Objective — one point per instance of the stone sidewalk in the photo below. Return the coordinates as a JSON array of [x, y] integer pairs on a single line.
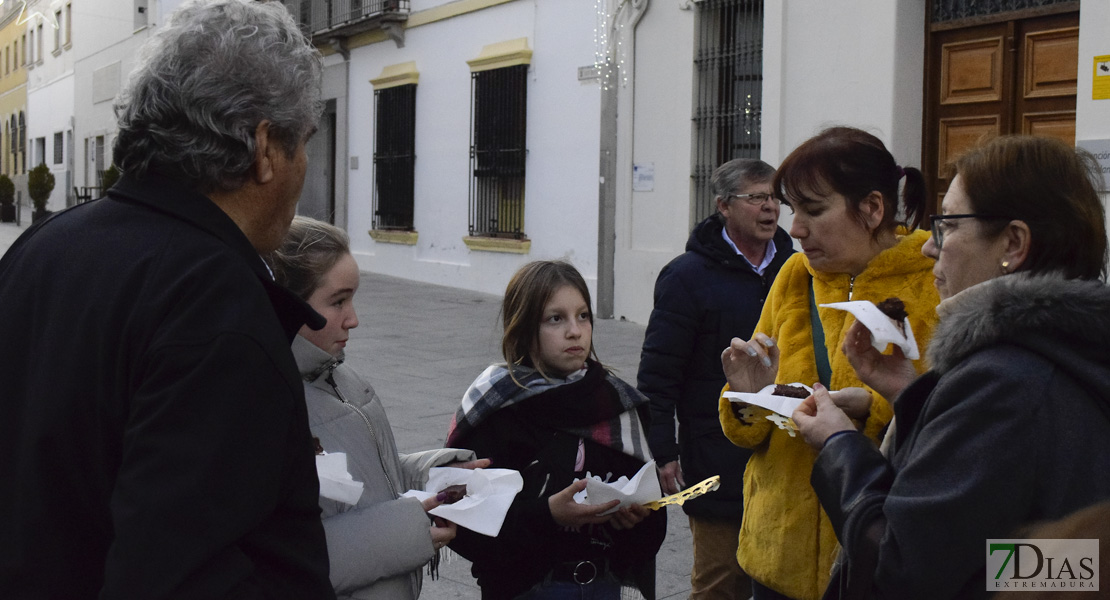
[[10, 231], [421, 345]]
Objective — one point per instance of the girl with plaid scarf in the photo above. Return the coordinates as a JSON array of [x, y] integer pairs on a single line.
[[555, 414]]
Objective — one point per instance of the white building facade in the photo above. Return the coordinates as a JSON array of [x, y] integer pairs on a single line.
[[111, 32], [855, 63], [464, 138], [50, 94], [441, 40], [615, 165]]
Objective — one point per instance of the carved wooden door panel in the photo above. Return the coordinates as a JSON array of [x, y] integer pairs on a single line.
[[1048, 59], [1012, 76]]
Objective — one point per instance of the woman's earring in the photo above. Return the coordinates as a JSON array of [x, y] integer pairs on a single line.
[[1005, 266]]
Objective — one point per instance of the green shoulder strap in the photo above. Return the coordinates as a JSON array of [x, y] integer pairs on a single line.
[[820, 352]]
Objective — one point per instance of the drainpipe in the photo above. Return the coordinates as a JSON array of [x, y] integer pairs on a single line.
[[625, 19], [339, 210]]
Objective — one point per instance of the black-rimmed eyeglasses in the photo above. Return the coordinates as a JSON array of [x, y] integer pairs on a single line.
[[940, 225], [753, 199]]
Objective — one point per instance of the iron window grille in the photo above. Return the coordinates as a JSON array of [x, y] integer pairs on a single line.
[[98, 160], [394, 156], [317, 16], [22, 142], [498, 152], [951, 10], [305, 16], [728, 115]]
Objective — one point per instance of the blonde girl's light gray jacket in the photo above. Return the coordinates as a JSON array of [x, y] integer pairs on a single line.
[[378, 546]]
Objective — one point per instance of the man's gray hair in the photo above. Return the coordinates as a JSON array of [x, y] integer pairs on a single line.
[[206, 81], [728, 177]]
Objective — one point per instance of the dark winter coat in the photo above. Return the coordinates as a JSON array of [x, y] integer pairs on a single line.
[[155, 437], [1011, 426], [532, 436], [703, 299]]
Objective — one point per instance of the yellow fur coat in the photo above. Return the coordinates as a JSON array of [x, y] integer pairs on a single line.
[[786, 540]]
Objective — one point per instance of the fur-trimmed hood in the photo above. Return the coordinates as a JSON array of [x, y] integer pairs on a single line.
[[1067, 321]]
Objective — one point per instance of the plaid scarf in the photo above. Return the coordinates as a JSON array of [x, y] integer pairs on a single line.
[[591, 404]]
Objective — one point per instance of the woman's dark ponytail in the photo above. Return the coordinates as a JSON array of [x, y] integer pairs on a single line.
[[914, 195]]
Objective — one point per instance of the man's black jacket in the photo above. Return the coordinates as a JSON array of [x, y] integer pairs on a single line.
[[154, 435], [703, 299]]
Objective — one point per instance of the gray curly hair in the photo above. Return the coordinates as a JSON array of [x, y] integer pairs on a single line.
[[205, 82]]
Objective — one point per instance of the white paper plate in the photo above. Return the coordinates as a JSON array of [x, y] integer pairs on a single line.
[[883, 329], [765, 399]]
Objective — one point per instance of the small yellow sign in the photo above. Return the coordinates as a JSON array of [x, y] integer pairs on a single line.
[[1100, 86]]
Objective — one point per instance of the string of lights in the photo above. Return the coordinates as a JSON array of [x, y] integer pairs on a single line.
[[610, 65], [24, 17]]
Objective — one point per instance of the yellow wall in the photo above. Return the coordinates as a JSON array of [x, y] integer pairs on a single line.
[[13, 87]]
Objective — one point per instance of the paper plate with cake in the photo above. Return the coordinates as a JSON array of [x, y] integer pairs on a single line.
[[477, 499], [781, 399], [887, 322]]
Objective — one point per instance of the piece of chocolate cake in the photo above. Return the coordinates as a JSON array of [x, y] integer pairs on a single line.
[[790, 391], [453, 493], [896, 310]]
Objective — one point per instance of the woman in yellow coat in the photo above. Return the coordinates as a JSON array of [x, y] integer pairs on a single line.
[[842, 186]]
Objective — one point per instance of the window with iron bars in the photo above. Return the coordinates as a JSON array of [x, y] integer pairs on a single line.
[[728, 115], [316, 16], [394, 156], [497, 151]]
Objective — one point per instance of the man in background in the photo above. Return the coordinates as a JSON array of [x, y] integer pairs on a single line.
[[155, 436], [703, 298]]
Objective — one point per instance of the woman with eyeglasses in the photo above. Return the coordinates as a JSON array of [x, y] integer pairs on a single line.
[[843, 188], [1012, 423]]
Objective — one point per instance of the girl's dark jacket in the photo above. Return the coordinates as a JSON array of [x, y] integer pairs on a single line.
[[703, 299], [529, 436], [1010, 427]]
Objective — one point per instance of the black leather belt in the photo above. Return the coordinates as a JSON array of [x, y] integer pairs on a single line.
[[582, 572]]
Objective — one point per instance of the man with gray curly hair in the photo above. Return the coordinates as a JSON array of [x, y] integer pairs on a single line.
[[155, 436]]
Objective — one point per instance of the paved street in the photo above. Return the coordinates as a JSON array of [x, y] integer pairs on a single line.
[[9, 231], [421, 345]]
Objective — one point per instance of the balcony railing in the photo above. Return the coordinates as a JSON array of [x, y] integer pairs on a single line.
[[341, 18]]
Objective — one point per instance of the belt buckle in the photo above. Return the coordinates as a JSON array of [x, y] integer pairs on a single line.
[[578, 578]]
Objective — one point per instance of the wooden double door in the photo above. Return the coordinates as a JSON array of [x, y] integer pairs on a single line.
[[1015, 75]]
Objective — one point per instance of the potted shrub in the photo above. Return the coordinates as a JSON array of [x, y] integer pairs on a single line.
[[40, 182], [7, 199], [108, 179]]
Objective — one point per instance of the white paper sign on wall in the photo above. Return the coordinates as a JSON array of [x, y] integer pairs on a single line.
[[643, 177], [1101, 151]]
